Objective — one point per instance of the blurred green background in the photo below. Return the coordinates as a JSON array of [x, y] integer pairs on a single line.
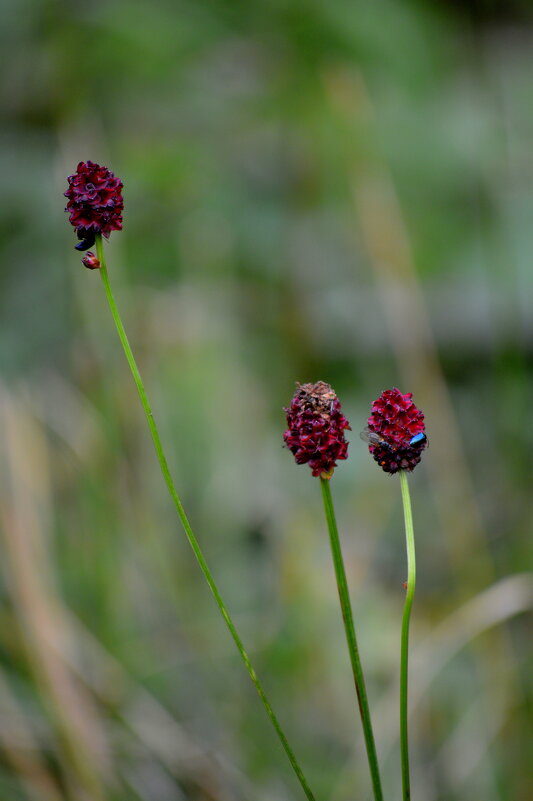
[[313, 190]]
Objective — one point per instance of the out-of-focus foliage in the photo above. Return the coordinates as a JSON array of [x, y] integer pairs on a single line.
[[313, 190]]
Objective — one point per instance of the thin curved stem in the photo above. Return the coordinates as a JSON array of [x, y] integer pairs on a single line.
[[404, 656], [186, 525], [344, 597]]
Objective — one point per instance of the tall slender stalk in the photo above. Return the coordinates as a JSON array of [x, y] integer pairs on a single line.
[[404, 656], [185, 522], [344, 597]]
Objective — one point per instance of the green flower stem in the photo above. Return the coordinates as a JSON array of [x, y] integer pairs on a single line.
[[185, 522], [347, 617], [404, 657]]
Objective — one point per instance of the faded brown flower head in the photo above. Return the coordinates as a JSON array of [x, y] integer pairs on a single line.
[[315, 435]]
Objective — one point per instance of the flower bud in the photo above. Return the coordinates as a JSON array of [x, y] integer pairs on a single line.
[[90, 261]]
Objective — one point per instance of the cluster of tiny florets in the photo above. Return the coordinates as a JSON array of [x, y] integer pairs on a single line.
[[396, 420], [95, 202], [315, 435]]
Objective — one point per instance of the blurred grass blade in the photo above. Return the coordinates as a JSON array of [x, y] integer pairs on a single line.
[[80, 739]]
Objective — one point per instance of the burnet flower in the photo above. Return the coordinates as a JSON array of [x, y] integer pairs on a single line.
[[396, 438], [95, 202], [315, 436], [316, 427], [95, 207], [396, 431]]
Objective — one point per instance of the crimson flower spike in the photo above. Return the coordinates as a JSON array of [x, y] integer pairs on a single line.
[[396, 433], [396, 436], [95, 203], [315, 436], [95, 209]]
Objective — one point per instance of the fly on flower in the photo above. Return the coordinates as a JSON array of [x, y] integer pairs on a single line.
[[373, 438], [419, 440]]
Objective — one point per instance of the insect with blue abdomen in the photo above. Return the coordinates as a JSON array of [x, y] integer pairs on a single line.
[[419, 440]]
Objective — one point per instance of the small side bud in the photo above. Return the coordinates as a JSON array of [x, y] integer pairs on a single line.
[[90, 261]]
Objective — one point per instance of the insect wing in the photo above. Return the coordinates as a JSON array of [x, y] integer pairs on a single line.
[[371, 437]]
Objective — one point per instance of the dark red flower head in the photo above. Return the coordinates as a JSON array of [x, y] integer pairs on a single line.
[[316, 428], [95, 202], [396, 431]]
